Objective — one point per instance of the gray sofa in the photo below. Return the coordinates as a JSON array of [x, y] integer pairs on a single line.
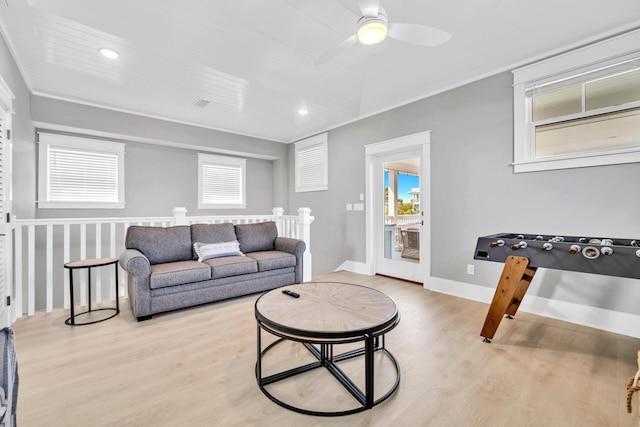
[[182, 266]]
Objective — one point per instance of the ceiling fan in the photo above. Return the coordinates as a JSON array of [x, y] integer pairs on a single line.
[[373, 27]]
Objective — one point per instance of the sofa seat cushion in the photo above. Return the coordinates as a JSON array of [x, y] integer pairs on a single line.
[[177, 273], [273, 260], [231, 266]]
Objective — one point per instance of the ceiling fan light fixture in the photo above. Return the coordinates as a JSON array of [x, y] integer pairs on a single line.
[[372, 30]]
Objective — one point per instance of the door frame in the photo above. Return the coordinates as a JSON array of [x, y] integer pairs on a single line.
[[416, 141], [7, 311]]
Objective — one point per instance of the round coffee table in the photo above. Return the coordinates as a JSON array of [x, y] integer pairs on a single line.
[[324, 314]]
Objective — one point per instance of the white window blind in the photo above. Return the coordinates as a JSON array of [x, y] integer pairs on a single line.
[[80, 172], [311, 164], [221, 182], [76, 176]]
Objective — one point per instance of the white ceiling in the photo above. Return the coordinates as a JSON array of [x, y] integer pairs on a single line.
[[254, 59]]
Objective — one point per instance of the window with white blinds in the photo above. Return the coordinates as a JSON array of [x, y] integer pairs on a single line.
[[579, 109], [80, 173], [221, 182], [311, 164]]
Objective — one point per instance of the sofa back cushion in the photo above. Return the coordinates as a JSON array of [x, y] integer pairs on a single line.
[[256, 237], [213, 233], [160, 244]]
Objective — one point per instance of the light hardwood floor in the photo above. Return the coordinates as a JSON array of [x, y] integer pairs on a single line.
[[195, 367]]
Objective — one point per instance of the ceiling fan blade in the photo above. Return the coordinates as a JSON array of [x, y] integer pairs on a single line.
[[336, 50], [418, 34], [369, 8]]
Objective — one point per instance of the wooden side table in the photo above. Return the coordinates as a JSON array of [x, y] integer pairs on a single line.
[[88, 264]]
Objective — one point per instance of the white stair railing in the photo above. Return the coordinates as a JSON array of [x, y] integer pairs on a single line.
[[41, 247]]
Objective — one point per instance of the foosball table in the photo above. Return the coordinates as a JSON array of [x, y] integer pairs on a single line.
[[523, 254]]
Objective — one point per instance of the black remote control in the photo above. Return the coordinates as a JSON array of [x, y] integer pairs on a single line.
[[291, 294]]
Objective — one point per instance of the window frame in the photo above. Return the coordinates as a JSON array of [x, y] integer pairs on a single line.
[[584, 60], [46, 140], [226, 161], [304, 145]]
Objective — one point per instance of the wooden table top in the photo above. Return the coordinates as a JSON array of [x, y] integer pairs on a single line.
[[327, 310], [86, 263]]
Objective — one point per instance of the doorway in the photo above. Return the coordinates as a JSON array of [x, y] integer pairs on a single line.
[[398, 208]]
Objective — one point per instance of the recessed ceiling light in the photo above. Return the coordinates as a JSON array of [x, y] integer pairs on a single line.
[[108, 53], [303, 111]]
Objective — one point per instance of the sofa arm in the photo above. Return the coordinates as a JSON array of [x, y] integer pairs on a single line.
[[139, 268], [295, 247], [136, 264]]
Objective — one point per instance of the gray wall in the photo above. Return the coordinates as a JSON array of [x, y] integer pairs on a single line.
[[157, 177], [474, 192]]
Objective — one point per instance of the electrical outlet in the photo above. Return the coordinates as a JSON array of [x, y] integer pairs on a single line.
[[471, 269]]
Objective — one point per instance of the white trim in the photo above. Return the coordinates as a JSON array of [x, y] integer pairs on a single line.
[[355, 267], [421, 140], [126, 138], [6, 96], [618, 46], [7, 313], [577, 162]]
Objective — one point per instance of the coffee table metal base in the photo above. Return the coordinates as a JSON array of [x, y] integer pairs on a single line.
[[323, 352]]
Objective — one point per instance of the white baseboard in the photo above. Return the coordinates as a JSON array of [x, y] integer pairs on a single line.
[[355, 267], [606, 320]]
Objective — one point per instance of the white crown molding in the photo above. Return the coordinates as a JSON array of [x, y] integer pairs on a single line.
[[43, 126]]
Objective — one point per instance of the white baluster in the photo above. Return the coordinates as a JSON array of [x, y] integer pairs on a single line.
[[17, 268], [112, 254], [31, 270], [49, 257], [304, 234], [98, 271], [66, 259], [83, 255]]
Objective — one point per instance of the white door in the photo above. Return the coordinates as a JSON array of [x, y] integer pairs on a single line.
[[5, 203], [398, 208]]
